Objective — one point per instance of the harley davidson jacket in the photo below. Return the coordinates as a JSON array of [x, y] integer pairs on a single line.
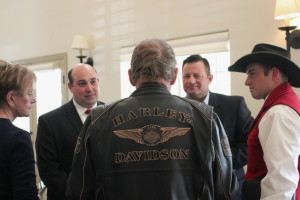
[[152, 146]]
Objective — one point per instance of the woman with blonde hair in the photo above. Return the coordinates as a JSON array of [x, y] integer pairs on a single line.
[[17, 165]]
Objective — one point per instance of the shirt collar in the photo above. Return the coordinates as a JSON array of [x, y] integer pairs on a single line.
[[81, 110], [206, 100]]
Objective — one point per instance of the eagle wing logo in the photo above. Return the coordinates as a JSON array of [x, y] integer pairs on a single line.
[[151, 135], [169, 132], [133, 134]]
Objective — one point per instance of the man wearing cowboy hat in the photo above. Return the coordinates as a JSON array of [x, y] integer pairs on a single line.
[[274, 137]]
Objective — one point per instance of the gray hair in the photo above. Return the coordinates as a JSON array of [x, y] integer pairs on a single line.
[[153, 59]]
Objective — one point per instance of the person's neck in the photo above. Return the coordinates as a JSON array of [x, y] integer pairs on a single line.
[[86, 106], [197, 98], [276, 84], [6, 115], [161, 81]]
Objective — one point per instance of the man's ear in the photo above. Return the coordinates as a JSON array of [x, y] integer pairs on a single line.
[[210, 78], [275, 73], [130, 78], [174, 77], [70, 86]]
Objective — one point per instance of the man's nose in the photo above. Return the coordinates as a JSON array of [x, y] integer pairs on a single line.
[[192, 79], [247, 81], [89, 87]]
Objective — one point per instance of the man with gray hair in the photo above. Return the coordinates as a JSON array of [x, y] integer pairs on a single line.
[[152, 145]]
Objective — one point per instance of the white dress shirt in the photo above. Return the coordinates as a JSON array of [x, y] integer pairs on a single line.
[[206, 98], [81, 110], [279, 135]]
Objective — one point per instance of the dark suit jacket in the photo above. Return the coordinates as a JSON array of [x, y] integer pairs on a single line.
[[55, 143], [236, 119]]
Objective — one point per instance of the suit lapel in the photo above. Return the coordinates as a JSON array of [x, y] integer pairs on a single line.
[[100, 103], [72, 116], [213, 100]]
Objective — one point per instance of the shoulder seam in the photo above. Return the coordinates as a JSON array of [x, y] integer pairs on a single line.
[[207, 113]]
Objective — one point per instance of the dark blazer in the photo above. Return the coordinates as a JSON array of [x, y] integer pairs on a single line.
[[236, 119], [17, 165], [55, 143]]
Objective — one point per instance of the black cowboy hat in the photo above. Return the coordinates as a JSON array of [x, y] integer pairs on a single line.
[[273, 56]]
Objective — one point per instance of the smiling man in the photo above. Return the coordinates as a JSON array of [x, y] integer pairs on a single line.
[[274, 137], [232, 110], [58, 130]]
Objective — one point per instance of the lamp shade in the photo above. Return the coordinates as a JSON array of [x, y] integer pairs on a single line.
[[295, 22], [287, 9], [79, 42]]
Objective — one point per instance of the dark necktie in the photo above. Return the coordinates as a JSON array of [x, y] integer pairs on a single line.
[[88, 111]]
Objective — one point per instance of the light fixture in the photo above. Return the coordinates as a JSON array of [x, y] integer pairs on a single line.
[[80, 43], [288, 9]]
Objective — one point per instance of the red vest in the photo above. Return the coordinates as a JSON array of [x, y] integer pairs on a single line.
[[256, 168]]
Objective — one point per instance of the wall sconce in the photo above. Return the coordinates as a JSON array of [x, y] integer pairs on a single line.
[[295, 34], [288, 9], [80, 43]]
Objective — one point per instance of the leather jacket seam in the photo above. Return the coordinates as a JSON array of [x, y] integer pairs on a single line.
[[206, 114], [221, 175]]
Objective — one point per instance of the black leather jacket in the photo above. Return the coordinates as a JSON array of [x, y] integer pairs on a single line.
[[152, 146]]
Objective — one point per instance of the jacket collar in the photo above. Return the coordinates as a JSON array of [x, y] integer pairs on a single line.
[[150, 88]]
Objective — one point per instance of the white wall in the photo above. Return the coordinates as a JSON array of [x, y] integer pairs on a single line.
[[35, 28]]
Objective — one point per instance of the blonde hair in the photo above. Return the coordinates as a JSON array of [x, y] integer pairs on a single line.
[[14, 77]]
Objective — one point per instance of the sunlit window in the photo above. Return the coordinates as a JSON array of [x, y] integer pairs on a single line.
[[44, 90], [47, 91]]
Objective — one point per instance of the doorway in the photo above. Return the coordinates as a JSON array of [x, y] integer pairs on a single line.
[[51, 92]]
